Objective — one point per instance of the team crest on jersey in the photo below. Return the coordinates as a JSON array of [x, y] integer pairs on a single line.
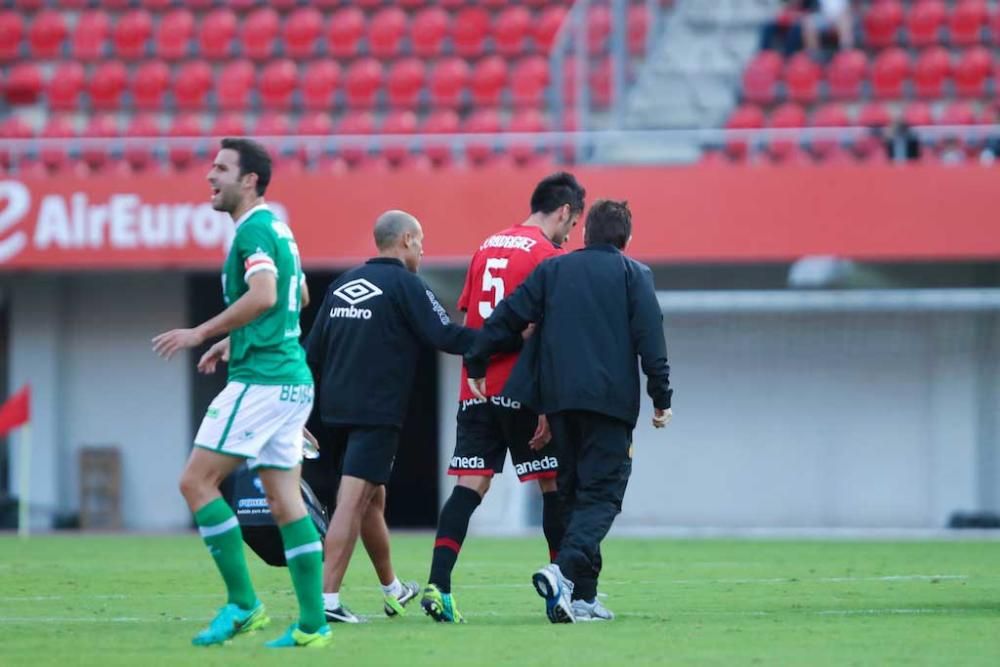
[[357, 291]]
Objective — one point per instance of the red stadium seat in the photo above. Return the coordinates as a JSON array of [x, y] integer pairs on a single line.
[[65, 85], [924, 22], [140, 155], [131, 34], [319, 81], [259, 33], [966, 23], [599, 80], [452, 4], [469, 30], [637, 29], [233, 86], [398, 122], [510, 28], [283, 5], [802, 78], [831, 115], [370, 4], [315, 124], [546, 26], [483, 121], [47, 34], [846, 73], [301, 32], [874, 115], [24, 83], [191, 85], [427, 31], [345, 30], [443, 121], [448, 81], [529, 80], [11, 32], [278, 81], [929, 74], [489, 78], [598, 29], [150, 81], [412, 4], [786, 116], [747, 117], [28, 4], [157, 5], [386, 31], [199, 5], [761, 77], [958, 113], [215, 39], [918, 113], [184, 125], [273, 124], [106, 84], [404, 83], [836, 156], [889, 71], [90, 35], [972, 71], [56, 156], [793, 156], [100, 126], [228, 125], [173, 34], [355, 123], [362, 83], [527, 121], [14, 127], [881, 23]]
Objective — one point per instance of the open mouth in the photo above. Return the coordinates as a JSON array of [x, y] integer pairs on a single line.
[[215, 192]]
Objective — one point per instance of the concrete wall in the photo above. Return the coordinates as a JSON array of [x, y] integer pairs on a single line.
[[810, 420], [83, 343]]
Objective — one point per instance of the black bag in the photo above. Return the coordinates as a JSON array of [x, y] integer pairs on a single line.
[[260, 532]]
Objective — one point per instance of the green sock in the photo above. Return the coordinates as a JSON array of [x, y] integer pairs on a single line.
[[221, 531], [304, 554]]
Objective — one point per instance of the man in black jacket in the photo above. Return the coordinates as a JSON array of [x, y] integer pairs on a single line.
[[363, 352], [596, 312]]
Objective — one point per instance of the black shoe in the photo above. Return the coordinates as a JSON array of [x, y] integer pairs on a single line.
[[341, 615]]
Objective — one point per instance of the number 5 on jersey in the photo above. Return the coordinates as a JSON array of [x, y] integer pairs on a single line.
[[492, 283]]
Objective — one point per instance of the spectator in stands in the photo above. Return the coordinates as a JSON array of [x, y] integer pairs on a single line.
[[828, 15], [901, 143], [784, 32]]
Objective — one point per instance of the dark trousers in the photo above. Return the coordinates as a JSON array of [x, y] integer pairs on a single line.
[[594, 467]]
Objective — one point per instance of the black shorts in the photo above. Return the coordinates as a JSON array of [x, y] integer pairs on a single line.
[[487, 430], [366, 452]]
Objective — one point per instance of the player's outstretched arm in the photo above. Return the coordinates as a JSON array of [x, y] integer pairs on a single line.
[[261, 296]]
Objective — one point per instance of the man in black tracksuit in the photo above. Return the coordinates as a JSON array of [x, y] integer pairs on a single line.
[[596, 311], [363, 352]]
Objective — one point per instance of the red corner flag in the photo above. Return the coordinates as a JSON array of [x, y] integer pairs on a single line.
[[16, 411]]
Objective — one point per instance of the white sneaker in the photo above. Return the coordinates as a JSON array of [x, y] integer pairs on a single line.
[[591, 611], [557, 591]]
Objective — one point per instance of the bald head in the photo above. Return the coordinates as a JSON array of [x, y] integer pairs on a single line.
[[391, 226]]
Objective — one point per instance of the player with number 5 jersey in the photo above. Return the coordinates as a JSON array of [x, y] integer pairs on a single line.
[[487, 430]]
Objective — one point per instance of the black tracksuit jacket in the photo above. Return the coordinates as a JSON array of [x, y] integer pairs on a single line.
[[597, 312]]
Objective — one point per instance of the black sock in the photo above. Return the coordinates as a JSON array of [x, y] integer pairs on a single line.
[[452, 526], [553, 525]]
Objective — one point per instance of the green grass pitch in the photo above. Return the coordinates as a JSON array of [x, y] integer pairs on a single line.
[[130, 600]]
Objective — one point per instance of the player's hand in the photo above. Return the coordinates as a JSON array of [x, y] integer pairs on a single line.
[[542, 436], [216, 353], [478, 387], [662, 417], [310, 438], [170, 343], [529, 331]]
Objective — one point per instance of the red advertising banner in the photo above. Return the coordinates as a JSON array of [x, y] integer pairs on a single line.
[[680, 214]]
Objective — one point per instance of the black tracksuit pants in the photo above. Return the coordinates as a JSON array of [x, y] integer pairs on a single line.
[[594, 467]]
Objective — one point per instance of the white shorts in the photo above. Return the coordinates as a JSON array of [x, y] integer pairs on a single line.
[[259, 422]]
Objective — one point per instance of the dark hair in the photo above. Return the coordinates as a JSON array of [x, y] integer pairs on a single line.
[[558, 190], [253, 160], [609, 222]]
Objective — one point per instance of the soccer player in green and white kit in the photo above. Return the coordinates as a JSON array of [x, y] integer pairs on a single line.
[[261, 413]]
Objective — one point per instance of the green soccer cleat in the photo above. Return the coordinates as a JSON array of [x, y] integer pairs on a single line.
[[440, 606], [231, 621], [295, 638], [393, 606]]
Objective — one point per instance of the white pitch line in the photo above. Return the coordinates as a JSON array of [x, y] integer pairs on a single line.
[[676, 582]]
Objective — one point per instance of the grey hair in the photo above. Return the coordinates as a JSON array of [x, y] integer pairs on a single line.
[[390, 226]]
